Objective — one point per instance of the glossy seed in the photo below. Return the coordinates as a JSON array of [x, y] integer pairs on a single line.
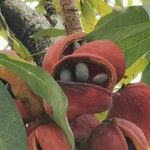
[[82, 72], [66, 75], [100, 78]]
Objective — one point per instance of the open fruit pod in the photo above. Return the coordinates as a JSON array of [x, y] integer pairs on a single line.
[[117, 134], [87, 74], [99, 60], [48, 137], [132, 102]]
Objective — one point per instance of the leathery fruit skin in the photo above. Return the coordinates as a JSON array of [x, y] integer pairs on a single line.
[[112, 135], [83, 100], [109, 51], [96, 64], [25, 114], [83, 125], [48, 137], [83, 97], [132, 103], [82, 128], [56, 52]]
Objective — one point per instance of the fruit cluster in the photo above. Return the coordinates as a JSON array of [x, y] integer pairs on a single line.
[[88, 72]]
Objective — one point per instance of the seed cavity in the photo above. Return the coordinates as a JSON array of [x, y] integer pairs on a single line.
[[75, 45], [130, 144], [82, 72], [100, 78], [66, 75]]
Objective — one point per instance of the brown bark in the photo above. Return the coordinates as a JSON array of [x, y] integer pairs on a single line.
[[70, 16]]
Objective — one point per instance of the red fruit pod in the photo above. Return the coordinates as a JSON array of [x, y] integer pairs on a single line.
[[25, 113], [83, 126], [107, 50], [101, 57], [117, 134], [57, 51], [132, 103], [84, 99], [90, 95], [48, 137], [96, 65]]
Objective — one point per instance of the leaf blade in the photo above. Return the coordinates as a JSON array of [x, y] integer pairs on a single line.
[[45, 86], [11, 124]]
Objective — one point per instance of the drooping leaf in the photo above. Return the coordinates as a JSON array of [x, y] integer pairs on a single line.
[[130, 29], [101, 7], [44, 86], [18, 46], [53, 32], [12, 130], [88, 15]]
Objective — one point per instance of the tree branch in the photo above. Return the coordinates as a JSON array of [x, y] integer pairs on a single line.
[[71, 16], [24, 21]]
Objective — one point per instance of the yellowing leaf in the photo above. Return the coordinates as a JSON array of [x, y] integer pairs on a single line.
[[101, 6], [88, 16], [134, 69]]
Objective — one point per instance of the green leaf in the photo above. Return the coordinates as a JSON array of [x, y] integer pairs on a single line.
[[119, 2], [18, 46], [101, 116], [146, 75], [146, 6], [130, 29], [130, 2], [137, 67], [105, 19], [101, 6], [41, 82], [88, 15], [132, 16], [48, 33], [12, 130], [145, 1]]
